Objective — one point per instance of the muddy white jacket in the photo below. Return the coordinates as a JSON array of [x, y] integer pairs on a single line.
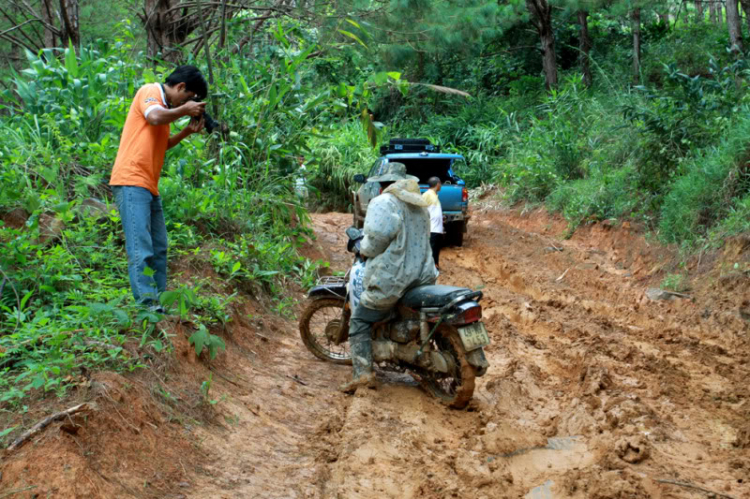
[[397, 245]]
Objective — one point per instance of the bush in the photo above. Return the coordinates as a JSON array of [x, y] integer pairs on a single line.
[[609, 195], [341, 154], [713, 186]]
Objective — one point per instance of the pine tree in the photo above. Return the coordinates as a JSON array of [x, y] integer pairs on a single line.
[[541, 15], [735, 28], [636, 25], [585, 47]]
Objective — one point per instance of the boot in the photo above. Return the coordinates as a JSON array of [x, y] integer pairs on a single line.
[[361, 367]]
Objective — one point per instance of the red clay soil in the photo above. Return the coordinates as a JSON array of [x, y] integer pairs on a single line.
[[595, 391], [15, 219]]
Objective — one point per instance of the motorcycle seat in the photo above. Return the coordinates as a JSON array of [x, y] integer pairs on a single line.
[[436, 295]]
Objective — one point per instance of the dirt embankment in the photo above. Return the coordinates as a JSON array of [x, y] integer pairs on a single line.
[[595, 391]]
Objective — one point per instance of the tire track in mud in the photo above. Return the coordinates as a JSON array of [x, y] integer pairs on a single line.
[[593, 390], [275, 438]]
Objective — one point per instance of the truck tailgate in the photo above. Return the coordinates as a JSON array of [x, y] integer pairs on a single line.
[[451, 197]]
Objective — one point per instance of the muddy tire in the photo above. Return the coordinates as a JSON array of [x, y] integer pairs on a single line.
[[455, 234], [456, 390], [317, 321]]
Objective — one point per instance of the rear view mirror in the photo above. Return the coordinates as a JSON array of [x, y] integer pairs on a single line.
[[360, 178], [353, 233]]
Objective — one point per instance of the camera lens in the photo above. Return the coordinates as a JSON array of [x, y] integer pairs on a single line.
[[209, 123]]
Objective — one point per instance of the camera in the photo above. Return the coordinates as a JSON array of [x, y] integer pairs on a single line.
[[209, 123]]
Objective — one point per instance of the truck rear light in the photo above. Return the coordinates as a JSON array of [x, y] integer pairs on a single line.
[[465, 195]]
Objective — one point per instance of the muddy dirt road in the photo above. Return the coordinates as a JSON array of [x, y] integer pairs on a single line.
[[595, 391]]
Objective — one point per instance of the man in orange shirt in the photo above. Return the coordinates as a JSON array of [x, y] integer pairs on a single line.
[[135, 175]]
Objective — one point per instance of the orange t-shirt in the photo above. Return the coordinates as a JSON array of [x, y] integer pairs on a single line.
[[142, 145]]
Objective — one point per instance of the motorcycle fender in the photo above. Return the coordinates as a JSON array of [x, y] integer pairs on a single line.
[[477, 359], [328, 291]]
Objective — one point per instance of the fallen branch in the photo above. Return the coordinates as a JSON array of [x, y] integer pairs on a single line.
[[296, 378], [681, 295], [562, 276], [691, 486], [86, 406]]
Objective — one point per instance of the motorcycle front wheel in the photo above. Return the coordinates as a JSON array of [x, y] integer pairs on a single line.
[[453, 389], [320, 324]]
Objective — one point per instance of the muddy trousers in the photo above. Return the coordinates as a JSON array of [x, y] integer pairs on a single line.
[[360, 337]]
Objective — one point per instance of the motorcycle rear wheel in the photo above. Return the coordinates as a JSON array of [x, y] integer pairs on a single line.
[[457, 389], [316, 321]]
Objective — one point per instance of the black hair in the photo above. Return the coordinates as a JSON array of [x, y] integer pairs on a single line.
[[433, 182], [192, 78]]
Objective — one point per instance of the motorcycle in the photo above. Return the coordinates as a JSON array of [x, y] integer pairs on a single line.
[[435, 333]]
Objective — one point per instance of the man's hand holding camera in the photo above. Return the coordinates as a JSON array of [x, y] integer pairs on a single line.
[[193, 108], [196, 125]]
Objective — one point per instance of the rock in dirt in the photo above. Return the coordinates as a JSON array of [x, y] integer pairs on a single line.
[[93, 208], [656, 294], [50, 228], [632, 450]]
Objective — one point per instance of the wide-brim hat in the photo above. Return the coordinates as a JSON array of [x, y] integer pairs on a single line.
[[394, 173]]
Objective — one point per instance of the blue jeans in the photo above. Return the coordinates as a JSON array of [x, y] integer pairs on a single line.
[[145, 241]]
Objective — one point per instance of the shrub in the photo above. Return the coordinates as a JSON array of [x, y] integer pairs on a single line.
[[712, 187]]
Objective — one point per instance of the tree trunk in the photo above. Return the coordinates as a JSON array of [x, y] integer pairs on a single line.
[[746, 11], [735, 28], [223, 36], [712, 12], [156, 22], [636, 20], [541, 13], [585, 47], [699, 15], [168, 27], [69, 21], [48, 16]]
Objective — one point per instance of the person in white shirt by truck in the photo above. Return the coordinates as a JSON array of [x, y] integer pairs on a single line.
[[436, 218]]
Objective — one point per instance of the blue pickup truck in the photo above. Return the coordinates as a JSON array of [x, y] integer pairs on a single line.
[[423, 160]]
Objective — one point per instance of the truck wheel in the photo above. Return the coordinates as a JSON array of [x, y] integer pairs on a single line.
[[455, 234], [458, 237]]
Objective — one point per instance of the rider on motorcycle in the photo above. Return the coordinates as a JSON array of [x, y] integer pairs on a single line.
[[396, 245]]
